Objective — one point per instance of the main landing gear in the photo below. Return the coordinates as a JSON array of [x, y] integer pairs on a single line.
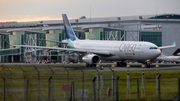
[[121, 64], [90, 65]]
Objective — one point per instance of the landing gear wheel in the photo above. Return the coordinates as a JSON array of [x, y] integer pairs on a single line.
[[148, 65], [123, 64], [91, 65], [118, 64], [87, 65]]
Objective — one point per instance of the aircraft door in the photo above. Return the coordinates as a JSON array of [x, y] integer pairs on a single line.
[[141, 51], [138, 51]]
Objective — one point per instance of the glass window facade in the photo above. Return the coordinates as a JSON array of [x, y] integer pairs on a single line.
[[41, 42], [112, 35], [80, 35], [4, 41], [104, 34], [167, 16], [154, 37], [10, 51]]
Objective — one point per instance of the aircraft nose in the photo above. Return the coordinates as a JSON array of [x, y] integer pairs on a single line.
[[158, 52]]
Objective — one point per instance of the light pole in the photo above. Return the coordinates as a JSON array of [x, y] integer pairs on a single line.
[[40, 38], [167, 19], [77, 34], [76, 20], [119, 18], [140, 17], [41, 32]]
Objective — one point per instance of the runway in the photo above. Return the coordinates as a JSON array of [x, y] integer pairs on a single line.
[[81, 66], [138, 67]]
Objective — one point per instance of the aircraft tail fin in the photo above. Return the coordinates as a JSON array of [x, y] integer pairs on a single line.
[[177, 52], [68, 29]]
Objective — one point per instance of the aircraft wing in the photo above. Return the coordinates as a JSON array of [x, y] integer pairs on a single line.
[[54, 41], [69, 49], [173, 45]]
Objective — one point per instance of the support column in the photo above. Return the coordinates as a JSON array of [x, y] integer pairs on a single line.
[[128, 92], [94, 88], [143, 82], [0, 47], [12, 58], [20, 55]]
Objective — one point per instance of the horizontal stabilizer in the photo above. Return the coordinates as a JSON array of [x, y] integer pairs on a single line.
[[173, 45], [64, 42]]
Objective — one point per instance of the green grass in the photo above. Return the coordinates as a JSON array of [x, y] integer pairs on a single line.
[[168, 83]]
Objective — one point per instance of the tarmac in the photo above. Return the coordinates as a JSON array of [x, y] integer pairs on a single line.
[[154, 67], [131, 66]]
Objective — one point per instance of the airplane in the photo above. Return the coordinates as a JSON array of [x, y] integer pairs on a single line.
[[63, 41], [177, 52], [165, 58], [95, 50]]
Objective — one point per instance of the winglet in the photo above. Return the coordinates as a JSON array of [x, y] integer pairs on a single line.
[[174, 44]]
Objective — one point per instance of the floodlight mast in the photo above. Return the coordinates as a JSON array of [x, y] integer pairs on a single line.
[[140, 18]]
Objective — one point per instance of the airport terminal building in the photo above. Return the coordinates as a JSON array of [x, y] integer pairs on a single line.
[[161, 30]]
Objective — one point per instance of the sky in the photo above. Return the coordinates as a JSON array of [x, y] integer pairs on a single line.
[[40, 10]]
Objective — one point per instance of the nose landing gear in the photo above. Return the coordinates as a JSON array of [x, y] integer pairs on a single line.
[[148, 64]]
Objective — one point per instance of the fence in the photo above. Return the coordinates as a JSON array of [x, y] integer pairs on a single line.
[[53, 83]]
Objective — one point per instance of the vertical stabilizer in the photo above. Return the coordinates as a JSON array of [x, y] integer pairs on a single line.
[[68, 29], [177, 52]]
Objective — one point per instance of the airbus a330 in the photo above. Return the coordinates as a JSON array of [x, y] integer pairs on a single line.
[[96, 50]]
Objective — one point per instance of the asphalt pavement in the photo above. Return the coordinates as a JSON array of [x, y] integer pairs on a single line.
[[132, 66]]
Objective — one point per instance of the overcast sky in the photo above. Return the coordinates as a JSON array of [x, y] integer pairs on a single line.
[[30, 10]]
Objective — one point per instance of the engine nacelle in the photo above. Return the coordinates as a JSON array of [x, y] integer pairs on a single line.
[[91, 59]]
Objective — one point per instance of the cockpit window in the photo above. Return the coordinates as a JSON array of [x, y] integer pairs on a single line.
[[153, 48]]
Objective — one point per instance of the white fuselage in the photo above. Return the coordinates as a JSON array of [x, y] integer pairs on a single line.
[[169, 58], [123, 50]]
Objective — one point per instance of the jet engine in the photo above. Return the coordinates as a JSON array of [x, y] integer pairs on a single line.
[[91, 59]]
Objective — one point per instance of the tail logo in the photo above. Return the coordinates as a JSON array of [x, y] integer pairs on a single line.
[[68, 29], [69, 32]]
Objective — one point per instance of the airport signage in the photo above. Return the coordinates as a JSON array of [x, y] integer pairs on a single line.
[[82, 93]]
